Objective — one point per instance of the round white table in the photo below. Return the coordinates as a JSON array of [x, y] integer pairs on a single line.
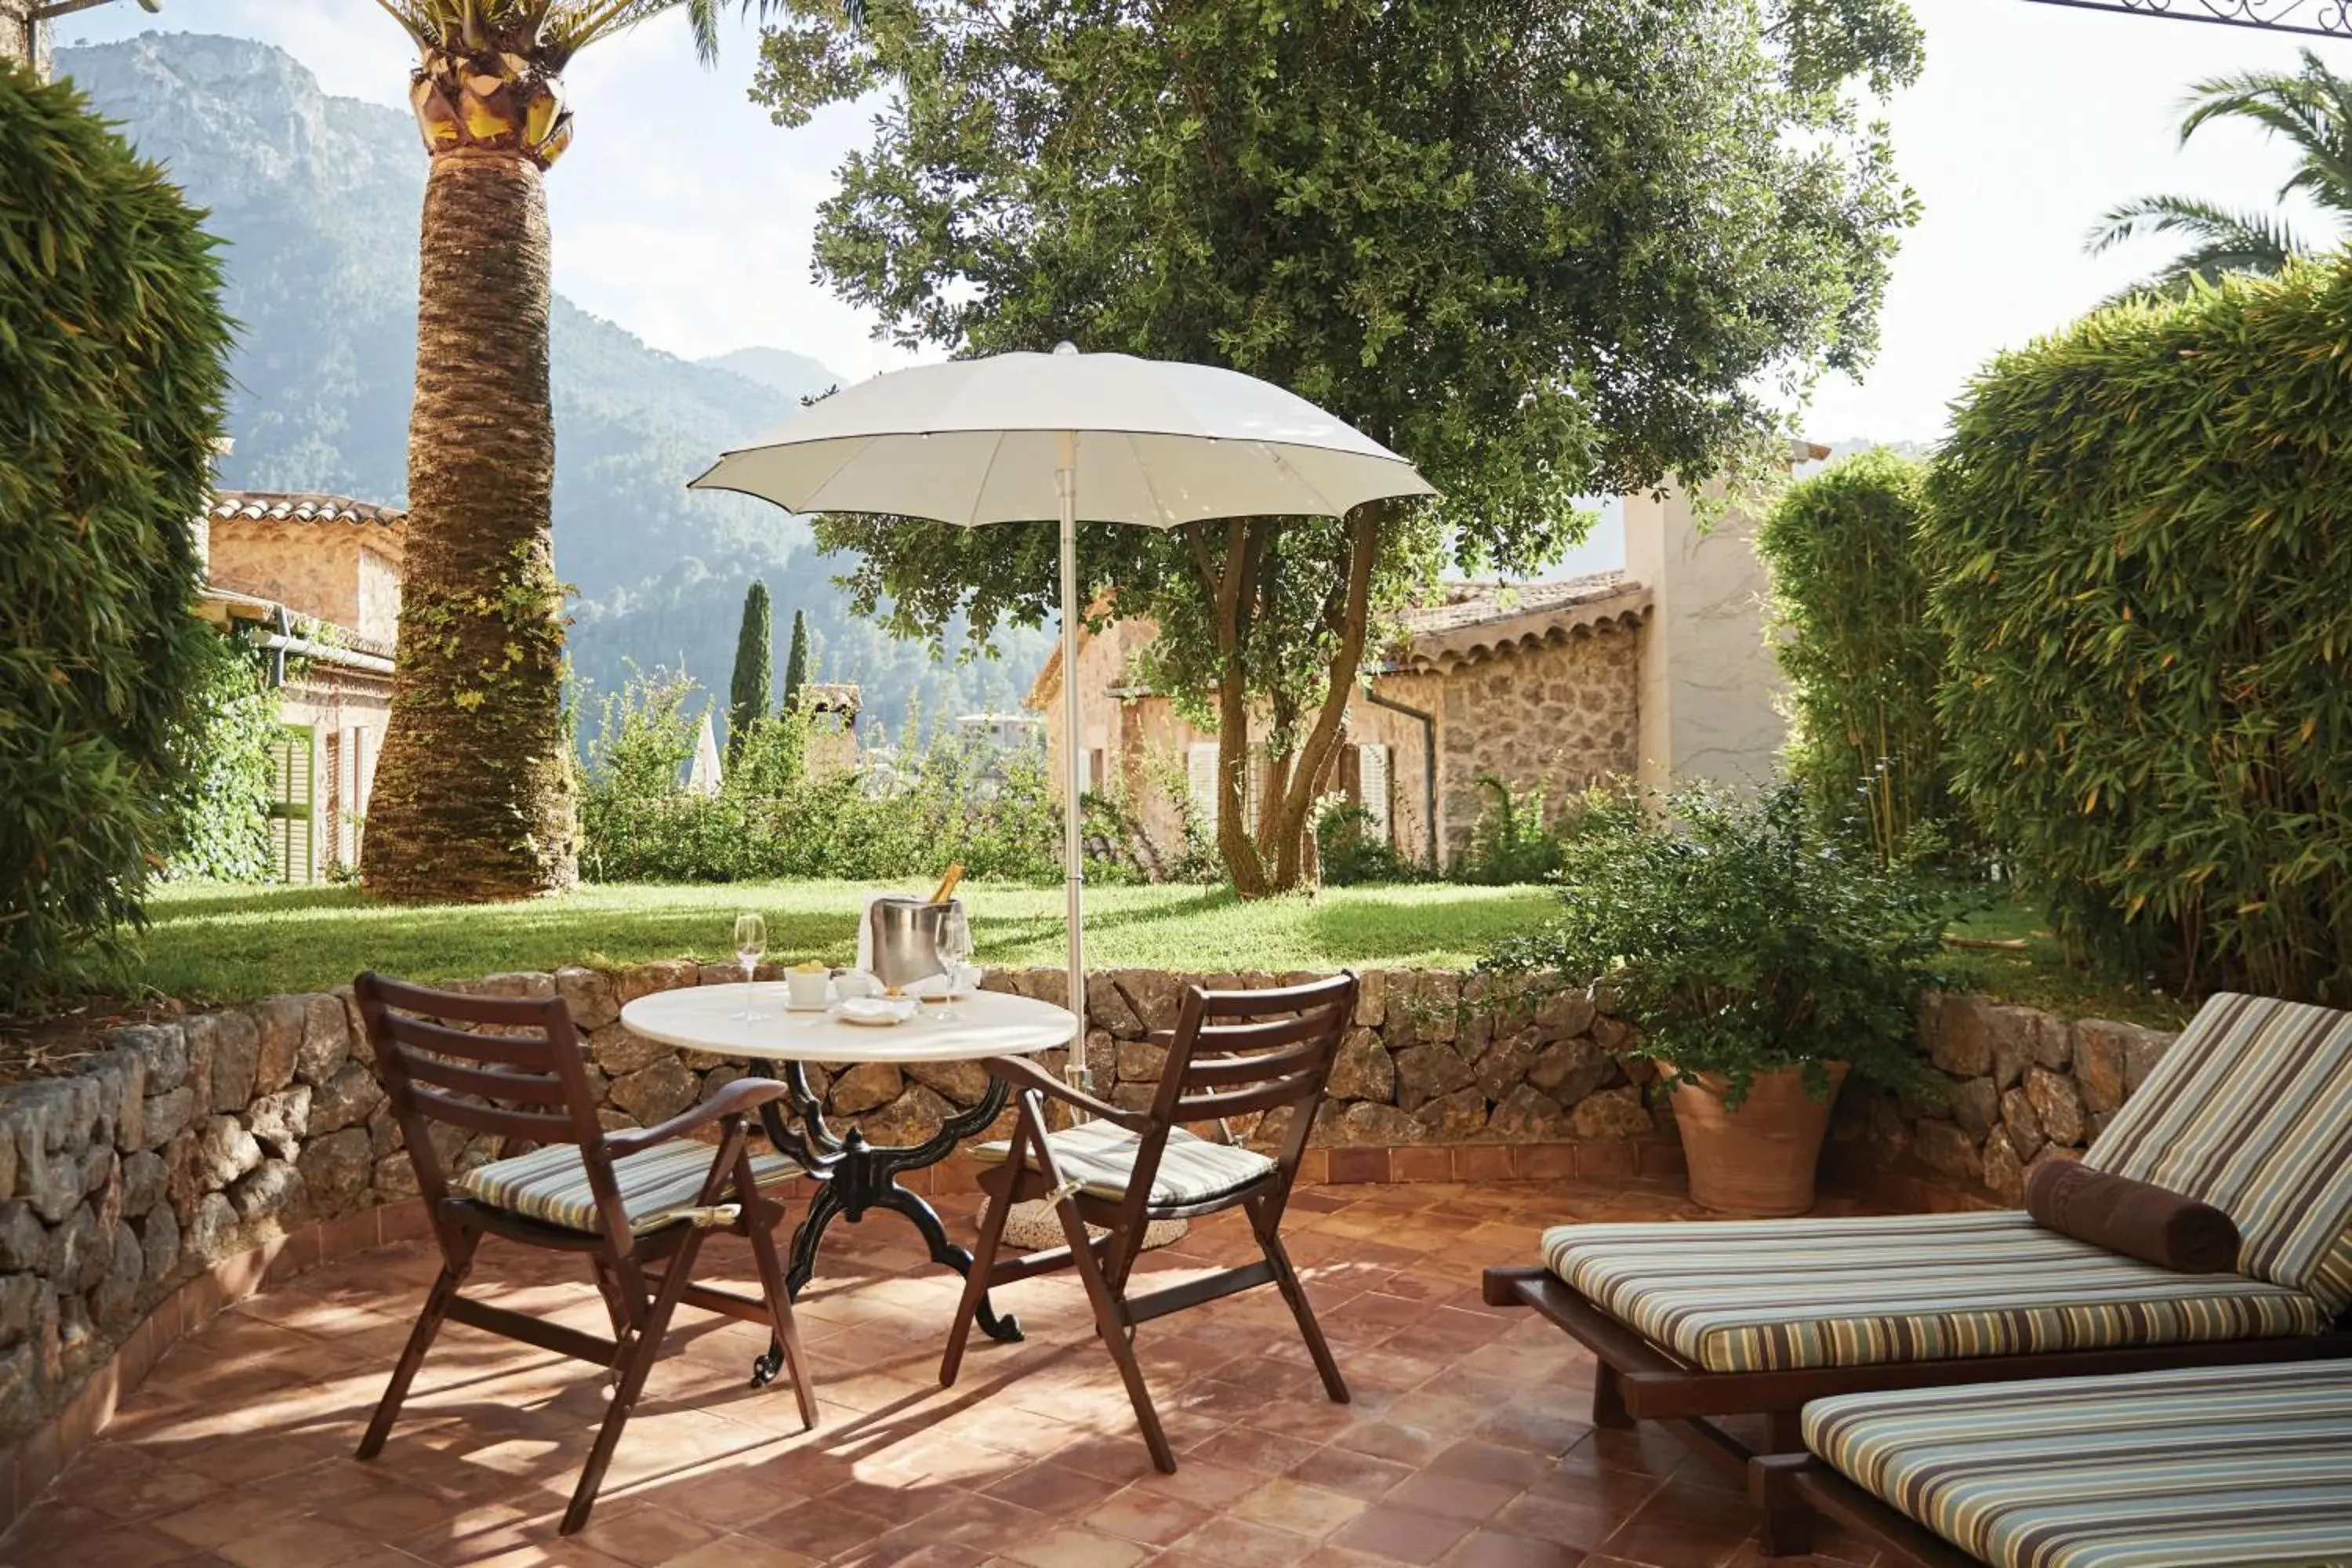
[[854, 1176]]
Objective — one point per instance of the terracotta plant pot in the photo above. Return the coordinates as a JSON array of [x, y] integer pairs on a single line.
[[1758, 1160]]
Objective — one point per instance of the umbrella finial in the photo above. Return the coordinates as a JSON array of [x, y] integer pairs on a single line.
[[1066, 347]]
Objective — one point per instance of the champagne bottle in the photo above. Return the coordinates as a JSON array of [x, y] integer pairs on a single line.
[[947, 883]]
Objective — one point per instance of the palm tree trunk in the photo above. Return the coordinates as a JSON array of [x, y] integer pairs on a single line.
[[472, 798]]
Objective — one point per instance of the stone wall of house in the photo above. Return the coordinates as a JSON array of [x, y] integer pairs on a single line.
[[22, 38], [2020, 1087], [1556, 718], [315, 569]]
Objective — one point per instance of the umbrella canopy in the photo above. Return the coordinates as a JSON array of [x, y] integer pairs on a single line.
[[1021, 437], [979, 441]]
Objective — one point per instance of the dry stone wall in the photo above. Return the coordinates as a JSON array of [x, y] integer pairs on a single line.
[[188, 1143], [2020, 1087], [191, 1143]]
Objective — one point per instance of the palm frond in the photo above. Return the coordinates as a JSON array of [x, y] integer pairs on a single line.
[[2310, 109], [2222, 242], [554, 30], [575, 25]]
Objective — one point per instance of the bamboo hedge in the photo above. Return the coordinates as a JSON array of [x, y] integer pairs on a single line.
[[113, 358], [1849, 600], [2141, 530]]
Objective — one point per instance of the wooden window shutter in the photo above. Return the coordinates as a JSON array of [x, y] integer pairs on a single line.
[[1200, 782], [293, 803], [1352, 772], [1373, 777]]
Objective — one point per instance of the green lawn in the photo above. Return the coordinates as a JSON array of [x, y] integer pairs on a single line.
[[2038, 976], [232, 943]]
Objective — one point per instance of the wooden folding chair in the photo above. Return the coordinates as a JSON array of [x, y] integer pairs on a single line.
[[1230, 1054], [627, 1200]]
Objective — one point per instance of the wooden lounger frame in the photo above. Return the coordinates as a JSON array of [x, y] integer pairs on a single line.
[[1637, 1381], [1797, 1485]]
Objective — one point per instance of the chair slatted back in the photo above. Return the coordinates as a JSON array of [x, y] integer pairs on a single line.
[[525, 1085], [1241, 1053]]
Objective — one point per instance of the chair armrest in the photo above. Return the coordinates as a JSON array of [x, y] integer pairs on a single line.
[[745, 1094], [1022, 1074]]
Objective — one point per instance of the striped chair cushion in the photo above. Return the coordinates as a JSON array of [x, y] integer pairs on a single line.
[[2250, 1110], [1100, 1157], [1772, 1295], [2243, 1466], [656, 1185]]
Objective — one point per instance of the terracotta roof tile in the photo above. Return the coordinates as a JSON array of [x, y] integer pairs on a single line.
[[284, 506]]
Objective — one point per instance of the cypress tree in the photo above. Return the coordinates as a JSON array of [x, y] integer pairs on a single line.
[[796, 662], [755, 668]]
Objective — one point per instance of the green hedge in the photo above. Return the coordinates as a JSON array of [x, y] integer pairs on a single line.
[[224, 813], [2142, 529], [112, 352], [1850, 598]]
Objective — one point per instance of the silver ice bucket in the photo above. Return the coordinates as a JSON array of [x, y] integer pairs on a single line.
[[906, 938]]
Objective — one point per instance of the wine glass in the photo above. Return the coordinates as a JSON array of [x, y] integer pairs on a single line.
[[750, 943], [954, 944]]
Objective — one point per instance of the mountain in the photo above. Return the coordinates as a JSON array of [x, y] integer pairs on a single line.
[[779, 369], [317, 198]]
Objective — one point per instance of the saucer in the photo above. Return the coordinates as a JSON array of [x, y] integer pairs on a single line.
[[877, 1012]]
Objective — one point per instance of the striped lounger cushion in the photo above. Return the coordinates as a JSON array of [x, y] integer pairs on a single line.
[[656, 1185], [1100, 1157], [2249, 1466], [2250, 1110], [1774, 1295]]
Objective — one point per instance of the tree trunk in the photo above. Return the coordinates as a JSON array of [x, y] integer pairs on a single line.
[[472, 798], [1231, 588], [1296, 801], [1274, 859]]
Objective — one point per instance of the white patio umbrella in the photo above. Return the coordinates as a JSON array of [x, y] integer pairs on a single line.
[[1020, 437]]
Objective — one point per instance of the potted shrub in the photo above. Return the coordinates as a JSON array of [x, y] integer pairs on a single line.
[[1760, 960]]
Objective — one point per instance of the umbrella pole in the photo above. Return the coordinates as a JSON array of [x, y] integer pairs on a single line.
[[1065, 480]]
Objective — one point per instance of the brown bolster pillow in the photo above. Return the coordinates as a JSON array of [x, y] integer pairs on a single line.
[[2135, 1218]]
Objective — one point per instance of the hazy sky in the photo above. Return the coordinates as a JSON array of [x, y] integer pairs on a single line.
[[685, 216]]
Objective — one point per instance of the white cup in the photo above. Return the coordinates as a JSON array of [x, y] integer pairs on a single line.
[[852, 983], [808, 987]]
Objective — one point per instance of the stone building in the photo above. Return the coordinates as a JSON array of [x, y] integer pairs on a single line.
[[313, 581], [1662, 673], [25, 34]]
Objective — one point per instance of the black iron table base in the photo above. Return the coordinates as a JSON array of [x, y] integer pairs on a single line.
[[855, 1176]]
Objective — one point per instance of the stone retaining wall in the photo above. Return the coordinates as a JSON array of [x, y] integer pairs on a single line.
[[191, 1143], [186, 1146], [2020, 1087]]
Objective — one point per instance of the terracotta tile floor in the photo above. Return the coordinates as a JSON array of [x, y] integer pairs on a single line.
[[1465, 1444]]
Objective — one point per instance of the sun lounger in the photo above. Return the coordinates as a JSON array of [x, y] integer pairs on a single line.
[[2203, 1468], [2250, 1110]]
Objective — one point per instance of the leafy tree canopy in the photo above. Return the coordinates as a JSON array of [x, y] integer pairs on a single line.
[[1541, 253]]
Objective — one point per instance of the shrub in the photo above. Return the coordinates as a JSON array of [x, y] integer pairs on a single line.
[[222, 833], [1739, 937], [1509, 842], [1348, 851], [112, 350], [1850, 598], [2139, 531], [907, 813]]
